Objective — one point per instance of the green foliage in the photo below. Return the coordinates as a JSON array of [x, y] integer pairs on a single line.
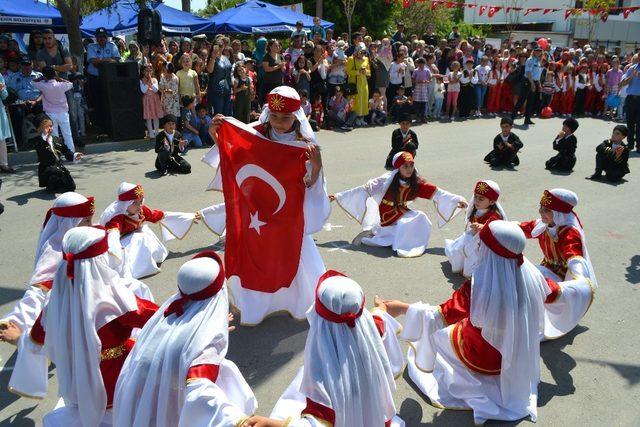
[[417, 16], [216, 6]]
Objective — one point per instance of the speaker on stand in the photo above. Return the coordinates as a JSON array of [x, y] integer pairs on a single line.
[[122, 99]]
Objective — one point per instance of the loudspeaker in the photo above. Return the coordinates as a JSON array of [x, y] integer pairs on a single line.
[[122, 100], [149, 26]]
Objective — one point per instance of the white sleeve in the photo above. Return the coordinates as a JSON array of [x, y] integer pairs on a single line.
[[322, 69], [316, 206], [391, 342], [27, 309], [215, 218], [176, 225], [358, 202], [30, 373], [143, 87], [446, 205], [577, 268], [421, 322], [154, 86], [206, 404]]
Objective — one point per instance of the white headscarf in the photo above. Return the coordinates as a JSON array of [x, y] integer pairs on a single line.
[[151, 387], [49, 248], [305, 127], [77, 308], [346, 368], [119, 207], [570, 220], [495, 187], [507, 304]]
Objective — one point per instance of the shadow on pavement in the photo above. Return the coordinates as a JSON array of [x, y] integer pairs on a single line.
[[378, 252], [259, 351], [8, 295], [631, 373], [23, 199], [633, 271], [19, 419], [456, 279], [560, 365]]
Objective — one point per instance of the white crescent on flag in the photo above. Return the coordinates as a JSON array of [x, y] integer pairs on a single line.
[[251, 170]]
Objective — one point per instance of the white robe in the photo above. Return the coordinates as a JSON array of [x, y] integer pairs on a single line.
[[295, 299], [293, 401], [409, 235]]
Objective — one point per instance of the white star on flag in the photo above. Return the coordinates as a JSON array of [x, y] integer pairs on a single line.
[[256, 223]]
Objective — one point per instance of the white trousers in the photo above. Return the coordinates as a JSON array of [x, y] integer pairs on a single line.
[[62, 120]]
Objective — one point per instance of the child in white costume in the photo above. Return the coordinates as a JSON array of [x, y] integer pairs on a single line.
[[177, 373], [350, 360], [381, 206], [483, 208], [126, 217], [282, 120], [484, 354]]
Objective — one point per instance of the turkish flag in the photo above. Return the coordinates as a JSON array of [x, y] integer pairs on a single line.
[[493, 10], [264, 191], [482, 9]]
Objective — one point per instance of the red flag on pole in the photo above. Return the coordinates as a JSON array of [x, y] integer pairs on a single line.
[[482, 9], [264, 193], [493, 10]]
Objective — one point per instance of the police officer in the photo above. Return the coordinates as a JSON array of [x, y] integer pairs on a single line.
[[530, 86], [103, 51]]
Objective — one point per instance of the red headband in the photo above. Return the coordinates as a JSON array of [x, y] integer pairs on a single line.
[[282, 104], [492, 243], [486, 190], [81, 210], [550, 201], [404, 157], [134, 194], [177, 306], [325, 313], [92, 251]]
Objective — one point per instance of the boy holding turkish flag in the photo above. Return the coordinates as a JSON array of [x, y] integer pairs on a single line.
[[272, 263]]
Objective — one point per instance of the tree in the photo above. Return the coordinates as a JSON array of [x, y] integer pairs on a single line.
[[513, 14], [596, 10], [418, 15], [349, 5], [214, 7], [186, 5]]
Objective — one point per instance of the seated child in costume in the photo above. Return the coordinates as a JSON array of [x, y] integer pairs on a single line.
[[565, 144], [169, 145], [402, 139], [505, 147], [612, 156], [52, 174]]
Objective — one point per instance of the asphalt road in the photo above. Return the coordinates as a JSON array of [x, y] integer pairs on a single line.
[[590, 377]]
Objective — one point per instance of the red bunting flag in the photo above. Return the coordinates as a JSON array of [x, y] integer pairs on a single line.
[[434, 4], [482, 9], [493, 10], [544, 12], [604, 16], [532, 10], [567, 13], [509, 9], [471, 5], [628, 10], [405, 3], [451, 4]]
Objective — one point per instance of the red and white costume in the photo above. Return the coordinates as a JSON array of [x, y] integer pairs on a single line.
[[390, 221], [143, 251], [566, 263], [480, 350], [85, 329], [463, 251], [177, 374], [298, 296], [350, 360], [66, 213]]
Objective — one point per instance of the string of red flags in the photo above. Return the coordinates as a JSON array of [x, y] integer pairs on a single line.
[[490, 11]]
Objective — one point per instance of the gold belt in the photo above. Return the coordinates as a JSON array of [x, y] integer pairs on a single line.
[[113, 352], [388, 203], [555, 263]]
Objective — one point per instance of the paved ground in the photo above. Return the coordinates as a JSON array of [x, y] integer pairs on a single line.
[[590, 377]]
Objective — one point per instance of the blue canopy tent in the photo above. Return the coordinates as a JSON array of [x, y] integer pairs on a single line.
[[258, 17], [22, 16], [122, 19]]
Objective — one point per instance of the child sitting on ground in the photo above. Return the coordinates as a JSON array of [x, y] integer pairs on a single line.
[[401, 105], [565, 144], [169, 145], [202, 121], [402, 139], [612, 156], [306, 107], [376, 109], [187, 118], [317, 110], [505, 147]]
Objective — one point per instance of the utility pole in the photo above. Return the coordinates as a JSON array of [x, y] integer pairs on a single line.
[[186, 5]]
